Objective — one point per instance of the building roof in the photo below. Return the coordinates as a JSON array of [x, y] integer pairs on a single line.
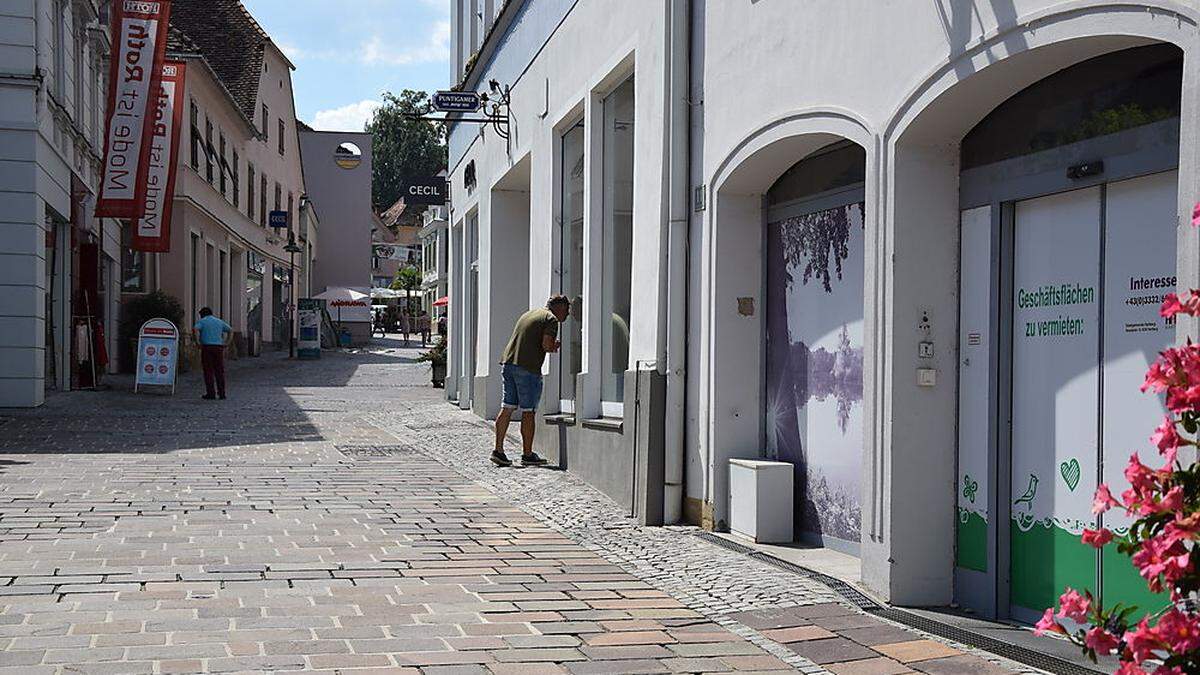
[[231, 41], [391, 217]]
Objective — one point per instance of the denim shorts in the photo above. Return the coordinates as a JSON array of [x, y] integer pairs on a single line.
[[522, 388]]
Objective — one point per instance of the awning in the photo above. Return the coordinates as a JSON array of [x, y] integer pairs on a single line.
[[442, 301]]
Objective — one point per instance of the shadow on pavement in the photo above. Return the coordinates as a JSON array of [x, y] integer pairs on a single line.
[[271, 400]]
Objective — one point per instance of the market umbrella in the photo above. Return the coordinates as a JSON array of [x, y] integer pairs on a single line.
[[342, 297], [442, 301]]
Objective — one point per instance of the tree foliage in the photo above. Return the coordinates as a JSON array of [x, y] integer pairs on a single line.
[[404, 147]]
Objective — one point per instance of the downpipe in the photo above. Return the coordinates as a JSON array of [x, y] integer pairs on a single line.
[[673, 339]]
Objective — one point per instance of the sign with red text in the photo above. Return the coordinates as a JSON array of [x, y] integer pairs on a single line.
[[152, 232], [158, 354], [139, 30]]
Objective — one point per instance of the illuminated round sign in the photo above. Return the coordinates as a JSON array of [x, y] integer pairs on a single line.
[[347, 156]]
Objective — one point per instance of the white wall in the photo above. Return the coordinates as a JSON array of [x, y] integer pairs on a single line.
[[907, 81]]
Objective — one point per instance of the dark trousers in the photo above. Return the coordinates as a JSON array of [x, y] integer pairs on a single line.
[[212, 357]]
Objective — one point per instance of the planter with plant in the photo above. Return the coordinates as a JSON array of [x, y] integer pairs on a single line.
[[436, 357], [1162, 541], [139, 310]]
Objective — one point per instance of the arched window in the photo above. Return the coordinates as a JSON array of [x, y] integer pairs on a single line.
[[1100, 96]]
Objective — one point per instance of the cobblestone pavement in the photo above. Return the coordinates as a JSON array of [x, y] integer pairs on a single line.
[[336, 516]]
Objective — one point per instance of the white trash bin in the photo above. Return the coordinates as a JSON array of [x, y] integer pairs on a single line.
[[760, 500]]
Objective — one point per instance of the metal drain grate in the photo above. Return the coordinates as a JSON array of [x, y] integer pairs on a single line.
[[375, 451], [1028, 657]]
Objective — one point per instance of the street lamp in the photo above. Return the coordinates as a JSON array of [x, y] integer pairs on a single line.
[[292, 250]]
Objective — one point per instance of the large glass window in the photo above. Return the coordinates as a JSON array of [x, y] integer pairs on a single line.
[[618, 239], [133, 264], [255, 267], [571, 282]]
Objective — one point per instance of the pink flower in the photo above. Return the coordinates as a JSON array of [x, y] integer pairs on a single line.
[[1142, 641], [1130, 668], [1171, 306], [1173, 670], [1167, 439], [1073, 606], [1103, 500], [1180, 631], [1173, 500], [1139, 475], [1047, 624], [1161, 557], [1101, 640], [1097, 538]]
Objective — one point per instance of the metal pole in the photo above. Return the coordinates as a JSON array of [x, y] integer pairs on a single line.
[[292, 303]]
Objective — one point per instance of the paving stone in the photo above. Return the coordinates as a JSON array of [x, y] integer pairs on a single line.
[[613, 667], [831, 650], [959, 665], [916, 650], [799, 634], [878, 635], [876, 666]]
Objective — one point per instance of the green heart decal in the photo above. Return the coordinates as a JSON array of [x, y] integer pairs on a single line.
[[1070, 473]]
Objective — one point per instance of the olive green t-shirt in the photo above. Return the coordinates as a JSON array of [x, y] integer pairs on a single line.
[[525, 346]]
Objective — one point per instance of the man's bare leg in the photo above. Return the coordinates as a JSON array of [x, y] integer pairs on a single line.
[[502, 421], [528, 427]]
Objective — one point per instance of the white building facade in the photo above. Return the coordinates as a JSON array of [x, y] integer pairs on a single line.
[[914, 249], [61, 263], [434, 238]]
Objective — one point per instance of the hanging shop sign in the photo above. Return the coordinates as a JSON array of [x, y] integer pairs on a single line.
[[158, 355], [427, 191], [457, 101], [139, 29], [278, 219], [152, 232], [389, 252], [308, 317]]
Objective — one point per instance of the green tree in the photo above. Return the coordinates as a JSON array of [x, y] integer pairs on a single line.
[[407, 279], [404, 147]]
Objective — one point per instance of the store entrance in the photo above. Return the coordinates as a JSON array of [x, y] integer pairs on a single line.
[[1090, 268]]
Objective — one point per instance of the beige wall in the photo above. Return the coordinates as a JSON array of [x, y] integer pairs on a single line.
[[203, 212]]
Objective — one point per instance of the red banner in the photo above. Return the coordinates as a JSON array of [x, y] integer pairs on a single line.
[[139, 33], [152, 232]]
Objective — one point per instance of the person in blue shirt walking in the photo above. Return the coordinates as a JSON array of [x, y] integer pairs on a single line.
[[212, 334]]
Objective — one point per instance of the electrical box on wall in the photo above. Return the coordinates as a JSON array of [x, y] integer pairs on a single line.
[[926, 377]]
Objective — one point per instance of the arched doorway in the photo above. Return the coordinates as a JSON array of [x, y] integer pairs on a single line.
[[813, 419], [1068, 202]]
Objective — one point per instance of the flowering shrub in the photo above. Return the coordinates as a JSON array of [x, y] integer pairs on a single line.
[[1162, 541]]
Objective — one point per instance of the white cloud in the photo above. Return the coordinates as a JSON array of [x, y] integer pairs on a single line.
[[291, 51], [351, 117], [378, 51]]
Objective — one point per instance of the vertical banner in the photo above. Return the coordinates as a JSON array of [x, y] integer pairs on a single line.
[[152, 232], [139, 32]]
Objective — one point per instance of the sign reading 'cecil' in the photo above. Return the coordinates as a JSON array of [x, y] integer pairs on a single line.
[[427, 191], [139, 30], [456, 101]]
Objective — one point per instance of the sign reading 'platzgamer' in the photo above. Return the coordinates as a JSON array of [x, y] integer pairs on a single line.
[[456, 101], [139, 29]]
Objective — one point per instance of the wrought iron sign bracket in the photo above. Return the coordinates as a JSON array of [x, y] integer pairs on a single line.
[[494, 104]]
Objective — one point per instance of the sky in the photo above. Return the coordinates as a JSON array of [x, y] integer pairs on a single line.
[[348, 52]]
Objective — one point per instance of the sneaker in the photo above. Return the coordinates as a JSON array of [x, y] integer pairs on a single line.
[[222, 397], [208, 397], [533, 459], [500, 459]]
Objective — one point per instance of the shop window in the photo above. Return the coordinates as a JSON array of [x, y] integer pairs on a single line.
[[835, 167], [133, 264], [571, 239], [618, 242], [1101, 96]]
